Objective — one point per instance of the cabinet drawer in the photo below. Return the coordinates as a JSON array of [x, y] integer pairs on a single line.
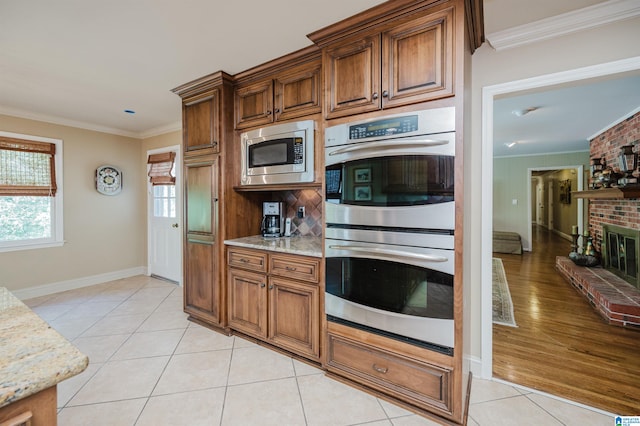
[[297, 267], [247, 259], [416, 382]]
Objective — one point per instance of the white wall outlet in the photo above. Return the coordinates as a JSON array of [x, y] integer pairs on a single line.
[[514, 201], [301, 212]]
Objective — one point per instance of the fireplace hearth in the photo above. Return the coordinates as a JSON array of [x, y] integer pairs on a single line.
[[613, 298]]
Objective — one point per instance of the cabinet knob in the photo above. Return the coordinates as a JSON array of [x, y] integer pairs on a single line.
[[269, 112], [382, 370], [262, 285], [271, 287], [277, 110], [385, 94], [174, 225], [375, 95]]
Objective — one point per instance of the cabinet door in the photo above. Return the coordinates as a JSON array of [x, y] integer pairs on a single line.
[[297, 91], [294, 316], [254, 104], [202, 277], [417, 60], [352, 77], [247, 302], [200, 126]]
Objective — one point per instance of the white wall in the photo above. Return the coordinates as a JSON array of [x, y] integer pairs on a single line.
[[585, 48], [511, 182]]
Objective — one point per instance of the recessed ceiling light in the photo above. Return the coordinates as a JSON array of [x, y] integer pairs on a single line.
[[129, 111], [525, 111]]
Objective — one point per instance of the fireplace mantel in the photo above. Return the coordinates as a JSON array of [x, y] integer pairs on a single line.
[[609, 193]]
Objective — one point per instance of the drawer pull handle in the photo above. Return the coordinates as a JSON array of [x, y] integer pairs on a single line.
[[290, 268], [382, 370], [243, 260]]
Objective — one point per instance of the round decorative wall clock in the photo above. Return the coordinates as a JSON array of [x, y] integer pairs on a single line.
[[108, 180]]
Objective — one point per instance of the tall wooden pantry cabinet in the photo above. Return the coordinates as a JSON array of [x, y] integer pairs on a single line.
[[207, 142]]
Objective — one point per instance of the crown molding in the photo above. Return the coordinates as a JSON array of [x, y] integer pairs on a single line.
[[161, 130], [566, 23], [11, 112]]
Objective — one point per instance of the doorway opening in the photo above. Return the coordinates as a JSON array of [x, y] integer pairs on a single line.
[[489, 95], [551, 205]]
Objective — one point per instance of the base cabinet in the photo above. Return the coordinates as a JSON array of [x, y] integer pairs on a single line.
[[38, 409], [393, 368], [283, 311]]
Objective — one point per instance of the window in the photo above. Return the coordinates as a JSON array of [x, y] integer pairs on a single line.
[[162, 176], [30, 192], [164, 201]]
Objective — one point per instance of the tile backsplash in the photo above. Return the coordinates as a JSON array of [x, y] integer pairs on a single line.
[[311, 200]]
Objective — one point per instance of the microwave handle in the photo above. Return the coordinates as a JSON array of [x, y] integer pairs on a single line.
[[396, 253], [391, 144]]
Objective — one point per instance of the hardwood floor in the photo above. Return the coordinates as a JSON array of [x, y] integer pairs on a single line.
[[561, 345]]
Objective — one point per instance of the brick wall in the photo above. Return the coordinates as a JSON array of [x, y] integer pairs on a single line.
[[607, 146]]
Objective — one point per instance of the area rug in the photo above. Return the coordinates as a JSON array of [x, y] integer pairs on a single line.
[[502, 304]]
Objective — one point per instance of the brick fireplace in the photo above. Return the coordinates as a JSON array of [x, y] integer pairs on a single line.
[[614, 298]]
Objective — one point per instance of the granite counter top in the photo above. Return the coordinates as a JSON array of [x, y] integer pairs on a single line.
[[33, 356], [303, 245]]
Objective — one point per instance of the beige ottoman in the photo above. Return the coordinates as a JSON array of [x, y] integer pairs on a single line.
[[507, 242]]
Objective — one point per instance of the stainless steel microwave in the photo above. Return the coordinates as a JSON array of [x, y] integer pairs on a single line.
[[278, 154]]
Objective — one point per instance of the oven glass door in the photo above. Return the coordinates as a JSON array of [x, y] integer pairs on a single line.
[[393, 181], [391, 286], [404, 292]]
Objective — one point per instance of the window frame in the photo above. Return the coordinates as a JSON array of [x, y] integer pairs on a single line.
[[57, 220]]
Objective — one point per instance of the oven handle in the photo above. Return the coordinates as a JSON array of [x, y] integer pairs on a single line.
[[397, 253], [391, 144]]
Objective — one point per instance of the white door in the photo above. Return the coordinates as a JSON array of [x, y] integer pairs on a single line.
[[165, 228]]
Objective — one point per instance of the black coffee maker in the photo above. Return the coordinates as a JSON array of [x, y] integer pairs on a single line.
[[272, 219]]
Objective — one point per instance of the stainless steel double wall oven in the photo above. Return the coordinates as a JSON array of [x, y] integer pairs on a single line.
[[389, 226]]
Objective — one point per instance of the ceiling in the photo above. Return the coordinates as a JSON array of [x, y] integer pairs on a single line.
[[566, 117], [84, 62]]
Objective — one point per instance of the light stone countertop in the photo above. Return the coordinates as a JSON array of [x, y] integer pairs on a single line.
[[302, 245], [33, 356]]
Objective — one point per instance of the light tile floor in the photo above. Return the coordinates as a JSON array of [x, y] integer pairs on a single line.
[[150, 366]]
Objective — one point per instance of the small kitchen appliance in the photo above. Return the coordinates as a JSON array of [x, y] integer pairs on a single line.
[[272, 219]]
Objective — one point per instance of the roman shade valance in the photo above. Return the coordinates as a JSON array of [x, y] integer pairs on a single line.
[[27, 168], [160, 172]]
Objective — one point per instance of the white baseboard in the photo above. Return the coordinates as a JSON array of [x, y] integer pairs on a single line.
[[475, 366], [45, 289]]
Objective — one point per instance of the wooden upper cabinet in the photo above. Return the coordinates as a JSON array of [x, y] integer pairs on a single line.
[[297, 91], [352, 76], [254, 104], [206, 104], [200, 126], [409, 63], [293, 92], [417, 62]]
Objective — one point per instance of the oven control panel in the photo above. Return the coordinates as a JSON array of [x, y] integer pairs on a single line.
[[384, 127]]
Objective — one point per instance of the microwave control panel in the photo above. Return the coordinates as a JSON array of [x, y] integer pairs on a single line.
[[384, 127], [298, 151]]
